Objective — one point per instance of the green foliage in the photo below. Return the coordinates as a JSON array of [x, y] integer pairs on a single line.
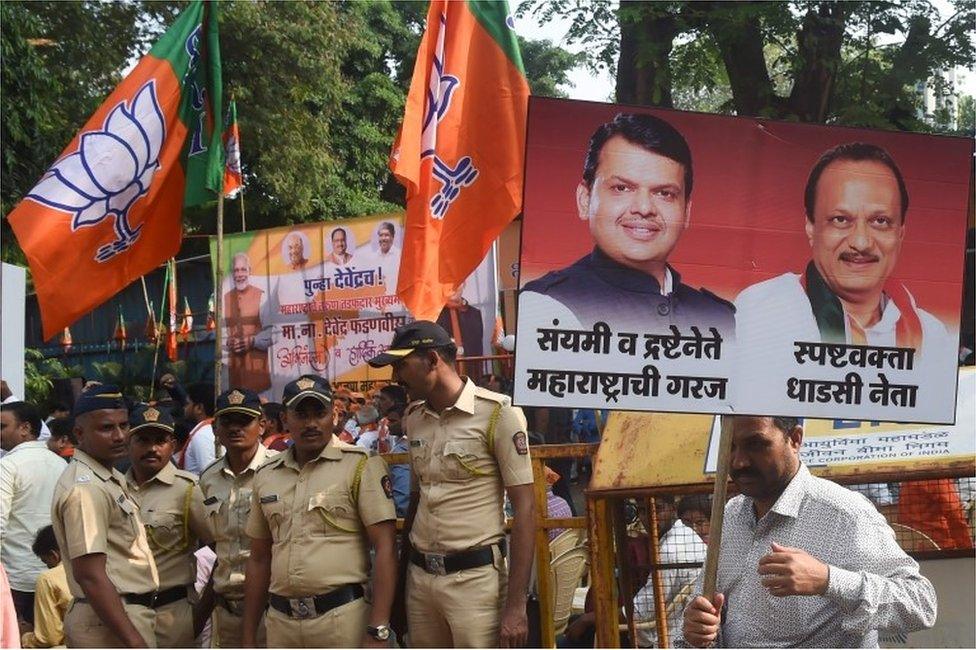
[[849, 63], [39, 374], [547, 66]]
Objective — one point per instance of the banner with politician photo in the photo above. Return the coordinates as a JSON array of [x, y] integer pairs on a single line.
[[321, 298], [685, 262]]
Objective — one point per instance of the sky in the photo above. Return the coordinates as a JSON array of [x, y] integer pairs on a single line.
[[599, 87]]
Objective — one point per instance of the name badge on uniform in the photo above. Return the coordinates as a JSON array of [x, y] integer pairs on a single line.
[[84, 478], [125, 504], [269, 498], [416, 443], [209, 501]]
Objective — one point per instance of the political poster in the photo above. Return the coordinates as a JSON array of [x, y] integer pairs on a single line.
[[320, 298], [684, 262]]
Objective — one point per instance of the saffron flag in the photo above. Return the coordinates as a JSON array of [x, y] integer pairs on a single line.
[[211, 320], [109, 209], [171, 350], [461, 148], [187, 325], [152, 328], [233, 181], [66, 342], [120, 334]]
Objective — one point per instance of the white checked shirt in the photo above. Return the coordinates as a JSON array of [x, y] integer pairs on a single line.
[[873, 586], [28, 476]]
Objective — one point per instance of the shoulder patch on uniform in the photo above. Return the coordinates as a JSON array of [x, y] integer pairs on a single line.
[[209, 501], [491, 396], [718, 299], [269, 498], [189, 476], [414, 406], [353, 449], [521, 442], [274, 461], [212, 464], [387, 486]]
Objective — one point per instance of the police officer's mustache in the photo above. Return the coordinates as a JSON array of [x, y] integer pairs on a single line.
[[743, 473]]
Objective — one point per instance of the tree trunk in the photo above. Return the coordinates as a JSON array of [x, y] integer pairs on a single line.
[[647, 32], [736, 28], [819, 42]]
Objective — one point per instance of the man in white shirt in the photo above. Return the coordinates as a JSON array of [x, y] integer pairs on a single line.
[[29, 473], [681, 543], [199, 449]]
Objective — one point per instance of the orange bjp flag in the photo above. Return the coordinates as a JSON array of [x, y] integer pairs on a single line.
[[461, 148], [110, 208], [233, 181]]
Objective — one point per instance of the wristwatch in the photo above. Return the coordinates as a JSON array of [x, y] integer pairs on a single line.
[[380, 632]]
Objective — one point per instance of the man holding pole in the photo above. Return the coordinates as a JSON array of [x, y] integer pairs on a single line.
[[792, 534]]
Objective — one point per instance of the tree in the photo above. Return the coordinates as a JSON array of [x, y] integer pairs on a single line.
[[547, 67], [833, 62]]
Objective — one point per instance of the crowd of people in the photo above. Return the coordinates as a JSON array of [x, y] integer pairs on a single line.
[[135, 524], [228, 521]]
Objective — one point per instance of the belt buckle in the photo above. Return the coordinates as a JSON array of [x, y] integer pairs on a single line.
[[152, 599], [302, 608], [435, 564]]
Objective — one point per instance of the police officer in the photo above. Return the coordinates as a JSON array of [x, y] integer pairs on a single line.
[[227, 484], [171, 506], [468, 446], [635, 195], [316, 510], [111, 571]]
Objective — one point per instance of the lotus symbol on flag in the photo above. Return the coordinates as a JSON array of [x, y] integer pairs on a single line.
[[233, 155], [112, 168]]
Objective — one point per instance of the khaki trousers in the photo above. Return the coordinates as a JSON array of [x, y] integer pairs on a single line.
[[457, 610], [84, 629], [174, 625], [228, 630], [342, 627]]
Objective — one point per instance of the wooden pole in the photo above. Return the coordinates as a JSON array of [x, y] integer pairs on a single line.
[[625, 571], [218, 295], [718, 508], [240, 193], [543, 557], [598, 515], [660, 613]]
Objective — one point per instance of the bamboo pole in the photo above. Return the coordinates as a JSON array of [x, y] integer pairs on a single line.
[[240, 193], [660, 617], [602, 572], [543, 557], [218, 295], [718, 508], [625, 570]]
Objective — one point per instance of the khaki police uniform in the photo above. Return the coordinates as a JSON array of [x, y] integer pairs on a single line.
[[462, 460], [92, 512], [171, 505], [316, 517], [227, 502]]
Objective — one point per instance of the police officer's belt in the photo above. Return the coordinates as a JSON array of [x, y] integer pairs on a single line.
[[312, 606], [235, 607], [454, 562], [153, 598]]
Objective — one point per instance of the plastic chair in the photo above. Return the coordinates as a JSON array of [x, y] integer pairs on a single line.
[[570, 560]]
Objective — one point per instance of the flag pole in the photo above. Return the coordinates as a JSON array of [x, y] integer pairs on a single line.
[[718, 508], [243, 222], [218, 289]]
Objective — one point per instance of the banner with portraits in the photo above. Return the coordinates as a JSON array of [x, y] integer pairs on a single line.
[[321, 298], [685, 262]]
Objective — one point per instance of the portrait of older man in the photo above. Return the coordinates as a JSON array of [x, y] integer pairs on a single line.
[[340, 255], [856, 204], [248, 330], [295, 249], [635, 196]]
